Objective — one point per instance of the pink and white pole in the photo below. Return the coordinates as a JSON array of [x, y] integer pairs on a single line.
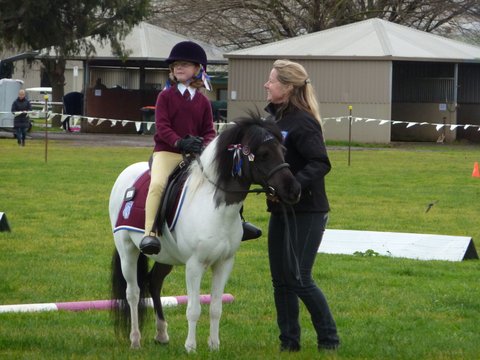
[[167, 301]]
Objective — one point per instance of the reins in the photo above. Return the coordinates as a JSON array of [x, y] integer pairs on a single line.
[[267, 189], [291, 263]]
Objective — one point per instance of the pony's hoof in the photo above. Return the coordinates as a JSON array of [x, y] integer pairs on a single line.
[[214, 345], [161, 336], [191, 348], [135, 345], [162, 339], [135, 340]]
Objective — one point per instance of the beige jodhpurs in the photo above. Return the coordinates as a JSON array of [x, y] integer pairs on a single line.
[[163, 164]]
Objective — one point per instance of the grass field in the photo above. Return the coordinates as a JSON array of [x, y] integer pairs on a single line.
[[60, 249]]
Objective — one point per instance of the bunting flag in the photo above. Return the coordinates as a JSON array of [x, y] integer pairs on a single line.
[[95, 121], [398, 122]]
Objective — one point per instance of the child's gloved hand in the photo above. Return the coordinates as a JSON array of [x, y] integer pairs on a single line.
[[191, 144]]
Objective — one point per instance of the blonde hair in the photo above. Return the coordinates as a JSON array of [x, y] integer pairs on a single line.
[[303, 93], [196, 83]]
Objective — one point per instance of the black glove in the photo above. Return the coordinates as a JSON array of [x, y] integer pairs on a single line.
[[191, 144]]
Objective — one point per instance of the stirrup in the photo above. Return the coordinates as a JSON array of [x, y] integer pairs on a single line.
[[250, 231]]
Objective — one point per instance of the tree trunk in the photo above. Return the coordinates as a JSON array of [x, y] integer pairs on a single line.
[[55, 70]]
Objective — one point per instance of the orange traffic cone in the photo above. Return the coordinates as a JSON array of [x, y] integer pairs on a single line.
[[475, 172]]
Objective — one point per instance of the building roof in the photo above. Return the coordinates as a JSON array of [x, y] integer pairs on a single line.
[[369, 39], [147, 42]]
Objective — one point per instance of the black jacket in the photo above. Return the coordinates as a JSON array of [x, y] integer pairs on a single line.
[[307, 155], [21, 120]]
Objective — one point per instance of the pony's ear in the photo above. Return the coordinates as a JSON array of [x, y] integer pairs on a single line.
[[266, 123], [255, 114]]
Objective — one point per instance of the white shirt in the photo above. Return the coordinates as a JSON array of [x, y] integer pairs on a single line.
[[182, 88]]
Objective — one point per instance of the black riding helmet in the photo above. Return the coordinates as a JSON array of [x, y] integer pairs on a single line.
[[188, 51]]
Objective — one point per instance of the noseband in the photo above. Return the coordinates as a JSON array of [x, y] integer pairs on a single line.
[[268, 189]]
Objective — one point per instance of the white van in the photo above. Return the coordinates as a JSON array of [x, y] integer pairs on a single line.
[[8, 93]]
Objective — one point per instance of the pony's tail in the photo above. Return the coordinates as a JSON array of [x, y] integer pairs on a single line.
[[120, 308]]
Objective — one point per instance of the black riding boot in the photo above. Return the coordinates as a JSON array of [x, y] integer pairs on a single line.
[[150, 245], [250, 231]]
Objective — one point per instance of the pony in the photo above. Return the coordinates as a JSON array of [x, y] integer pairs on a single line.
[[208, 229]]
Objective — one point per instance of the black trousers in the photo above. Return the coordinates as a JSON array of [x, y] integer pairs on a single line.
[[310, 228], [20, 133]]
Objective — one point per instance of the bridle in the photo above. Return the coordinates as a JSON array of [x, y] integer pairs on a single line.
[[266, 188]]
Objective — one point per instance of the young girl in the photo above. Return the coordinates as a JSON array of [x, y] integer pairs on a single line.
[[184, 123]]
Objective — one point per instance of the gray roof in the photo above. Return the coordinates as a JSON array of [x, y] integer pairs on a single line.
[[147, 42], [369, 39]]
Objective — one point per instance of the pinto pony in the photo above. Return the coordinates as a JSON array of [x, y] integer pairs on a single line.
[[208, 229]]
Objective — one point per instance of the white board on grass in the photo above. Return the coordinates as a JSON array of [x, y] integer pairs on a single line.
[[406, 245]]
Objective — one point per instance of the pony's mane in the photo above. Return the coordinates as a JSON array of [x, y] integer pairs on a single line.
[[250, 130]]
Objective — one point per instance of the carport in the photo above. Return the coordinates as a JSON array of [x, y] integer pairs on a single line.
[[134, 82], [383, 70]]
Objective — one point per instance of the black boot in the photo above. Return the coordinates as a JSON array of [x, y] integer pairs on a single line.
[[250, 231], [150, 245], [289, 347]]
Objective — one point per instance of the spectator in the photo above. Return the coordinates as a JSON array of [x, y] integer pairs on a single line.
[[21, 122]]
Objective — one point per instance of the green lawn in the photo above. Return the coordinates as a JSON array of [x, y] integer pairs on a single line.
[[386, 308]]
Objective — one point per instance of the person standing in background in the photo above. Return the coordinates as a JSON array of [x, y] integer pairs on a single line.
[[21, 122], [294, 238]]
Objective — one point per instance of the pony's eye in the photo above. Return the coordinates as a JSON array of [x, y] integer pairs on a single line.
[[262, 155]]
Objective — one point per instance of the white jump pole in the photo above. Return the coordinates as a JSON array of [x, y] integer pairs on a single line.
[[167, 301]]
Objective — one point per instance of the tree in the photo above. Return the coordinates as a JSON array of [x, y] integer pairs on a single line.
[[63, 27], [243, 23]]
